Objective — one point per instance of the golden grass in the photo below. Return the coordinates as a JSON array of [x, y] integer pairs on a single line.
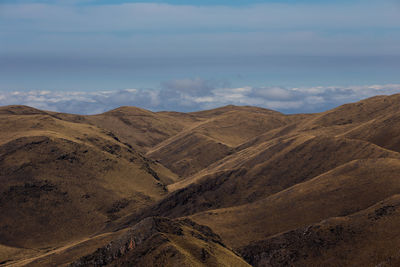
[[65, 177]]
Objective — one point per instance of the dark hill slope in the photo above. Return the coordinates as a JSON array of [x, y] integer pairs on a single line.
[[216, 137], [342, 191], [370, 237], [153, 241], [137, 127], [142, 129], [255, 176], [61, 181], [164, 242], [256, 173]]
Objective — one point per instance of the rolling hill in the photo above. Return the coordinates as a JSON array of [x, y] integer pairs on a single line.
[[62, 181], [220, 187]]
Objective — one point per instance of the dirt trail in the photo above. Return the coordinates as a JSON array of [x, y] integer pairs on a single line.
[[25, 262]]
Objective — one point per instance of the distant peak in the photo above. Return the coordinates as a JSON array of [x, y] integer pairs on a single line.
[[229, 108], [20, 110], [128, 110]]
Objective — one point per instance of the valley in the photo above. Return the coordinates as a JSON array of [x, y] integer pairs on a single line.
[[232, 186]]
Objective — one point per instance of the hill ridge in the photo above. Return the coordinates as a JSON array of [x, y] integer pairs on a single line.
[[280, 188]]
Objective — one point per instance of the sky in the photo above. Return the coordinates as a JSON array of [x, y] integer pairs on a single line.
[[90, 56]]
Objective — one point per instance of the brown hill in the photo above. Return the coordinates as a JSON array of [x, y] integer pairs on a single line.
[[215, 137], [367, 238], [153, 241], [298, 190], [258, 172], [62, 181], [342, 191], [20, 110], [383, 131], [361, 111], [188, 154], [140, 128], [163, 242]]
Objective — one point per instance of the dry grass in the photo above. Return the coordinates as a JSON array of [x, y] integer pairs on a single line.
[[257, 177]]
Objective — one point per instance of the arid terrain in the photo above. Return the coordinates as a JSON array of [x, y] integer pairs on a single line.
[[232, 186]]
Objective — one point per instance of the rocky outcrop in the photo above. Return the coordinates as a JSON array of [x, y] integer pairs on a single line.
[[293, 246], [160, 241]]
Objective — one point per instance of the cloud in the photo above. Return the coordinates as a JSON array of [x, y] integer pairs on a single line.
[[273, 93], [196, 87], [82, 102], [88, 44], [197, 94]]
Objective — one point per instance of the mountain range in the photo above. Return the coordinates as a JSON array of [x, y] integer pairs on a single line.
[[231, 186]]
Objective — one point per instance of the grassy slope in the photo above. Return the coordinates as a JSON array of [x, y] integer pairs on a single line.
[[342, 191], [214, 137], [268, 173], [151, 242], [62, 181], [370, 237]]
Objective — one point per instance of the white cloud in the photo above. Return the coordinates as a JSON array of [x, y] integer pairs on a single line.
[[203, 95], [276, 93]]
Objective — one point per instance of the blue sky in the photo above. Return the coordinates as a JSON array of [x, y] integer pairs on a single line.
[[176, 2], [190, 55]]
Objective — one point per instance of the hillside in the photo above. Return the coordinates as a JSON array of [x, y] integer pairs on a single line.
[[62, 181], [154, 241], [342, 191], [214, 138], [367, 238], [140, 128], [305, 189]]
